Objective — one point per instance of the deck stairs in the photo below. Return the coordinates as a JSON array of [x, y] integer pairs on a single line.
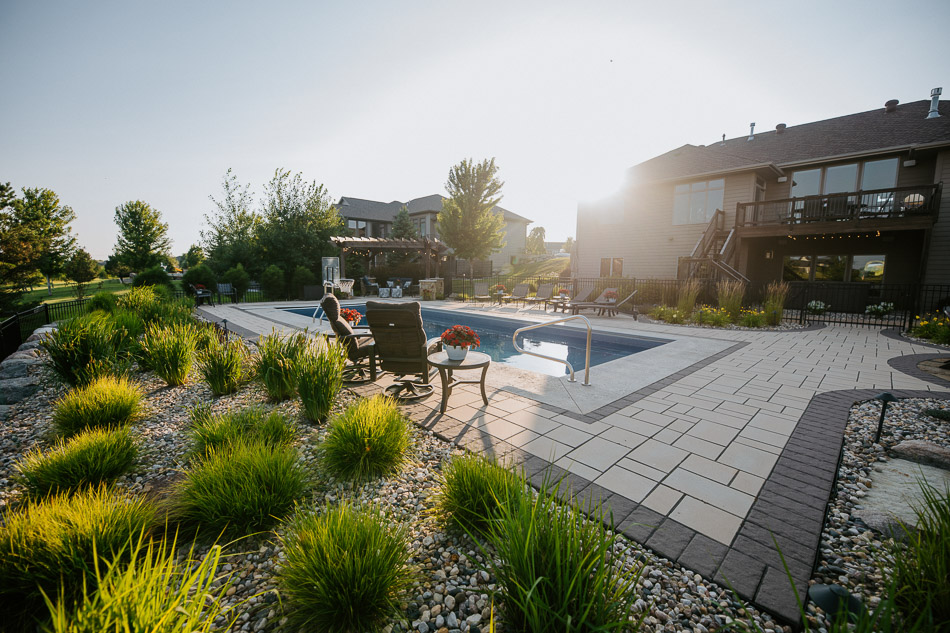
[[714, 254]]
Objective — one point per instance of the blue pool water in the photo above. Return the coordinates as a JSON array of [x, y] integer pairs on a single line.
[[558, 342]]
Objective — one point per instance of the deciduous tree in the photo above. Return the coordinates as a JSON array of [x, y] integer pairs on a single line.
[[231, 236], [535, 242], [468, 222], [143, 240], [82, 269], [43, 215]]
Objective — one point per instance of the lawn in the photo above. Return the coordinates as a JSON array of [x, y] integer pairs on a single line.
[[66, 290]]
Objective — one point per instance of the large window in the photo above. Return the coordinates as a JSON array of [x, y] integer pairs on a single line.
[[695, 203], [879, 174], [874, 174], [868, 268], [357, 227]]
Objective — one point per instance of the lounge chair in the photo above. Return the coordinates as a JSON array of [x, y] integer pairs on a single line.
[[360, 348], [599, 302], [542, 296], [603, 306], [520, 293], [580, 297], [203, 294], [402, 347], [480, 293], [370, 286]]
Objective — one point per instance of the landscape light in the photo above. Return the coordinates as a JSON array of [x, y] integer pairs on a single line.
[[835, 599], [885, 398]]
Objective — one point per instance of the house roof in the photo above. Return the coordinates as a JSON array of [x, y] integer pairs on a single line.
[[386, 211], [874, 131]]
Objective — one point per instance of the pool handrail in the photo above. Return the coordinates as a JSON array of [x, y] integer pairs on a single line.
[[573, 317]]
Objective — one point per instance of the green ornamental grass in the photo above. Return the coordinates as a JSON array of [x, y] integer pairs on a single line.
[[149, 590], [222, 365], [473, 489], [215, 432], [169, 350], [107, 402], [277, 361], [82, 349], [240, 489], [730, 292], [346, 570], [369, 439], [90, 458], [320, 379], [50, 547]]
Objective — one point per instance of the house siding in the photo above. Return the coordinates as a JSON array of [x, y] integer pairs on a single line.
[[938, 254], [516, 240]]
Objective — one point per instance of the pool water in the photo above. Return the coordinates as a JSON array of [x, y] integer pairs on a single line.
[[556, 341]]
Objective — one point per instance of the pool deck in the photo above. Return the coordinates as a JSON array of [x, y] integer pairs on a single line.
[[705, 449]]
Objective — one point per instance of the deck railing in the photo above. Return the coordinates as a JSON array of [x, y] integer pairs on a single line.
[[877, 204]]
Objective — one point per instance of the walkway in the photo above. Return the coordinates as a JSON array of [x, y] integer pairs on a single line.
[[705, 464]]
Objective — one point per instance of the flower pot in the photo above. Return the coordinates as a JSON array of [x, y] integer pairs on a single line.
[[611, 301], [455, 352]]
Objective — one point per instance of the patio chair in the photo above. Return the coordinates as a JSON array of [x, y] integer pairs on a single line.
[[401, 346], [520, 293], [599, 302], [480, 292], [201, 295], [542, 296], [608, 309], [227, 290], [360, 349], [370, 286], [580, 297]]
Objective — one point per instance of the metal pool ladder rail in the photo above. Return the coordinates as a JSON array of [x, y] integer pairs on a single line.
[[514, 340]]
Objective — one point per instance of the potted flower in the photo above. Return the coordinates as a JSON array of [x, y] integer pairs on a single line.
[[499, 289], [817, 307], [457, 340], [563, 292], [611, 296], [353, 316]]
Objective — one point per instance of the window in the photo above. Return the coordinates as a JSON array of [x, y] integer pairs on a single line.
[[806, 183], [866, 268], [611, 266], [605, 267], [357, 227], [841, 178], [879, 174], [420, 226], [797, 268], [696, 203], [831, 267]]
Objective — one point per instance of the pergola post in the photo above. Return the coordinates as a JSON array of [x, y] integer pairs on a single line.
[[343, 263]]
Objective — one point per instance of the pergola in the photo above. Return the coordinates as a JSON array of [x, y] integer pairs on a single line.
[[369, 246]]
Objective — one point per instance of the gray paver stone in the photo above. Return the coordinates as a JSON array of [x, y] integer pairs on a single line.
[[704, 555], [670, 539]]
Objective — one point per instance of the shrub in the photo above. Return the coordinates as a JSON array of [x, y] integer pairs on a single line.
[[320, 378], [169, 350], [240, 489], [555, 569], [369, 439], [215, 432], [239, 280], [222, 365], [729, 293], [346, 570], [472, 490], [104, 301], [154, 276], [91, 457], [272, 282], [302, 277], [199, 275], [935, 327], [752, 318], [717, 317], [817, 307], [151, 591], [84, 348], [668, 314], [688, 293], [50, 547], [880, 310], [276, 364], [107, 402], [921, 560], [774, 305]]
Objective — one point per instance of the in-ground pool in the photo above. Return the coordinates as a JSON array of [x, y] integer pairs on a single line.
[[556, 341]]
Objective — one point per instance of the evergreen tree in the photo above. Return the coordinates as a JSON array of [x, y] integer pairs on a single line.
[[468, 222], [143, 240], [403, 229], [41, 211]]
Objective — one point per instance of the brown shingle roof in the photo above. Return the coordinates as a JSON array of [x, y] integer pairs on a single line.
[[861, 133]]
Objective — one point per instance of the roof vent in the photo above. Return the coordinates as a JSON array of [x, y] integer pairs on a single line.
[[891, 105], [751, 132], [780, 128], [723, 140], [934, 103]]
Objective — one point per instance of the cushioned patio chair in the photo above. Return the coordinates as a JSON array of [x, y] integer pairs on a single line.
[[519, 293], [581, 297], [401, 346], [480, 292], [370, 287], [360, 347], [604, 307], [542, 296]]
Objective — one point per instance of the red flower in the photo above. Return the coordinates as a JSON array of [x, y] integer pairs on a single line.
[[499, 288], [353, 316], [461, 336], [610, 294]]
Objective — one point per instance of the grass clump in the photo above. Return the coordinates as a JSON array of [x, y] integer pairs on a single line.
[[51, 547], [214, 432], [473, 490], [240, 489], [151, 591], [107, 402], [776, 293], [346, 570], [222, 365], [277, 362], [729, 293], [555, 567], [90, 458], [369, 439], [169, 350], [82, 349], [687, 295], [320, 378]]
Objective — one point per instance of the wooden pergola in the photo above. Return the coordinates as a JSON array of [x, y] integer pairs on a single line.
[[369, 246]]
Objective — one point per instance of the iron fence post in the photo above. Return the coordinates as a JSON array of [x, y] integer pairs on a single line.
[[46, 309]]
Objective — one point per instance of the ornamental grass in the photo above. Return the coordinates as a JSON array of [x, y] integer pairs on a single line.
[[729, 293], [169, 350], [472, 490], [776, 293], [85, 348], [369, 439], [223, 365], [320, 379], [209, 432], [277, 360], [107, 402]]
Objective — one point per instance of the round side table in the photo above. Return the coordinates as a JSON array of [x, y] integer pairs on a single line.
[[472, 360]]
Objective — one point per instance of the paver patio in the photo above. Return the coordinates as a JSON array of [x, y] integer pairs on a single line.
[[707, 464]]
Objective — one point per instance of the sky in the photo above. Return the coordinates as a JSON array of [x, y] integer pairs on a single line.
[[106, 102]]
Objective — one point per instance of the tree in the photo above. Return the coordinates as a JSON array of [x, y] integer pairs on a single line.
[[468, 222], [41, 211], [535, 242], [143, 237], [82, 269], [569, 245], [231, 237], [194, 257], [403, 229], [115, 266], [17, 248], [239, 279], [272, 282]]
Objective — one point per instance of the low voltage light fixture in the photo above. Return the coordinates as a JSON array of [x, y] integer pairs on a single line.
[[885, 398]]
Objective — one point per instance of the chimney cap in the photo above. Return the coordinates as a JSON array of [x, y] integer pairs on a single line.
[[780, 128], [891, 106]]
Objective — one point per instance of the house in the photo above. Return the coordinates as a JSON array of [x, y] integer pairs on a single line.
[[855, 198], [369, 218]]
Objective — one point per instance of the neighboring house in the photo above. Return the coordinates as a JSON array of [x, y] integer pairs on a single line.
[[369, 218], [853, 198], [554, 248]]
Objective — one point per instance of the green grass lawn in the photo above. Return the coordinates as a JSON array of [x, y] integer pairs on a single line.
[[547, 267], [66, 290]]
